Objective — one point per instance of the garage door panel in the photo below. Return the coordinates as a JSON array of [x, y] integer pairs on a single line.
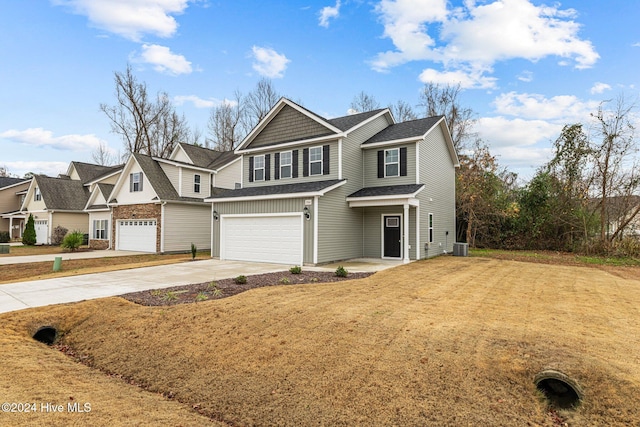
[[42, 231], [137, 235], [276, 239]]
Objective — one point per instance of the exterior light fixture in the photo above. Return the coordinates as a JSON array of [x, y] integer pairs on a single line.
[[307, 214], [215, 215]]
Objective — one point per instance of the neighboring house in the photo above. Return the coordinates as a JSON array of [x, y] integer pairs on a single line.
[[315, 190], [157, 205], [12, 193], [99, 212], [623, 212], [61, 201]]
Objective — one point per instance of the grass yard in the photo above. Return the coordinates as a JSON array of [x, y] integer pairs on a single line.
[[33, 250], [444, 342]]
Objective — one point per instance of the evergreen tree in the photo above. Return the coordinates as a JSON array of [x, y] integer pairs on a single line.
[[29, 236]]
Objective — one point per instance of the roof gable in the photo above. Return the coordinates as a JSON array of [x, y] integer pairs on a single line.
[[203, 157], [62, 194], [87, 172]]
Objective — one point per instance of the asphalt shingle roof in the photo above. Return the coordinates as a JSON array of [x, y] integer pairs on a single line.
[[410, 129], [303, 187], [89, 172], [62, 194], [387, 190], [6, 181], [207, 158], [347, 122]]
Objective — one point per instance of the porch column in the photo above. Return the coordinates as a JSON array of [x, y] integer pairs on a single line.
[[10, 228], [406, 233]]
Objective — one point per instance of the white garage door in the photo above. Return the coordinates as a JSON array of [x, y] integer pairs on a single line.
[[137, 235], [276, 239], [42, 231]]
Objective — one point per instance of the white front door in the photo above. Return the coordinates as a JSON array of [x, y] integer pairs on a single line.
[[273, 238], [42, 231], [137, 235]]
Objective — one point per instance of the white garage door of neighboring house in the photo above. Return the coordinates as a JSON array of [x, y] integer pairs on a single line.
[[42, 231], [137, 235], [276, 239]]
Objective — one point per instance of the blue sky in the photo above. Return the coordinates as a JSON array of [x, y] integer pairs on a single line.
[[527, 67]]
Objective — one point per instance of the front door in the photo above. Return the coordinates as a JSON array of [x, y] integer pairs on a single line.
[[392, 239]]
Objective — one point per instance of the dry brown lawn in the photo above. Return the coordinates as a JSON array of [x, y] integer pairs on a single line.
[[443, 342], [33, 250]]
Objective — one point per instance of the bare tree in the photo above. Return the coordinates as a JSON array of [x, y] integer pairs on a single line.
[[4, 172], [103, 156], [226, 125], [145, 125], [259, 102], [402, 111], [364, 102], [444, 100]]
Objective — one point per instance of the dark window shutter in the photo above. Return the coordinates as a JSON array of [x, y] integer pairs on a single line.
[[140, 187], [403, 161], [267, 167], [130, 183], [276, 166], [294, 166], [305, 162], [325, 160], [380, 163], [251, 169]]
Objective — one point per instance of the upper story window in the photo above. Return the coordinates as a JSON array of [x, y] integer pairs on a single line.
[[36, 195], [258, 168], [286, 164], [392, 162], [315, 161], [135, 182], [196, 183]]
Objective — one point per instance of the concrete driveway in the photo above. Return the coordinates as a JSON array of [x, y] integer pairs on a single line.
[[37, 293]]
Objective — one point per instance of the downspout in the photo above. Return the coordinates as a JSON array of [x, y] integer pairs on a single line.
[[49, 228], [213, 226], [162, 210]]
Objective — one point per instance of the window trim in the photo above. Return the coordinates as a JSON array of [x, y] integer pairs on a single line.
[[321, 161], [102, 226], [430, 224], [397, 162], [283, 165], [256, 169], [37, 195], [196, 183], [136, 186]]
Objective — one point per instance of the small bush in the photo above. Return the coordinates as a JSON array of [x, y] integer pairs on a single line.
[[73, 240], [341, 272], [58, 235], [29, 235], [170, 296], [240, 280], [295, 270], [285, 281], [194, 251], [5, 237], [201, 297]]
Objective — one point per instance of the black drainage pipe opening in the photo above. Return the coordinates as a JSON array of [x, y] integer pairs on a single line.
[[46, 334], [560, 391]]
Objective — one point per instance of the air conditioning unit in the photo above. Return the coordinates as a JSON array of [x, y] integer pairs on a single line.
[[460, 249]]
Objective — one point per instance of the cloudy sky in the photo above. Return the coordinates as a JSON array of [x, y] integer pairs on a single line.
[[527, 67]]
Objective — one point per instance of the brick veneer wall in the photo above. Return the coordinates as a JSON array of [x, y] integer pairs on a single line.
[[98, 244], [145, 211]]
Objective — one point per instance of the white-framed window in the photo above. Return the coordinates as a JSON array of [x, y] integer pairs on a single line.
[[196, 183], [430, 228], [135, 182], [100, 229], [315, 161], [286, 164], [37, 196], [258, 168], [392, 162]]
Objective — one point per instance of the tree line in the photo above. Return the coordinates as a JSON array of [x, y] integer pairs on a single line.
[[585, 199]]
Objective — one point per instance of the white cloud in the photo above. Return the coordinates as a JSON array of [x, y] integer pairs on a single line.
[[38, 137], [503, 132], [526, 76], [130, 18], [202, 103], [163, 60], [329, 12], [467, 80], [561, 108], [600, 88], [43, 168], [268, 62], [475, 36]]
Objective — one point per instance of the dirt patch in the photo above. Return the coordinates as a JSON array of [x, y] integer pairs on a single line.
[[228, 287]]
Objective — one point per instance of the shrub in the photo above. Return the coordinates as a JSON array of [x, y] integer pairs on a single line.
[[194, 251], [285, 281], [29, 235], [73, 240], [295, 270], [341, 272], [240, 280], [201, 297], [58, 235], [5, 237]]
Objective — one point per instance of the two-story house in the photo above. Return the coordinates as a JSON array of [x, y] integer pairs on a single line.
[[315, 190], [12, 194], [157, 205]]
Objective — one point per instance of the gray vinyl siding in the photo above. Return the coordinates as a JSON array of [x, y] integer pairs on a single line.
[[333, 166], [70, 221], [188, 183], [439, 196], [186, 224], [372, 220], [266, 207], [371, 167], [172, 173], [228, 176], [289, 125]]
